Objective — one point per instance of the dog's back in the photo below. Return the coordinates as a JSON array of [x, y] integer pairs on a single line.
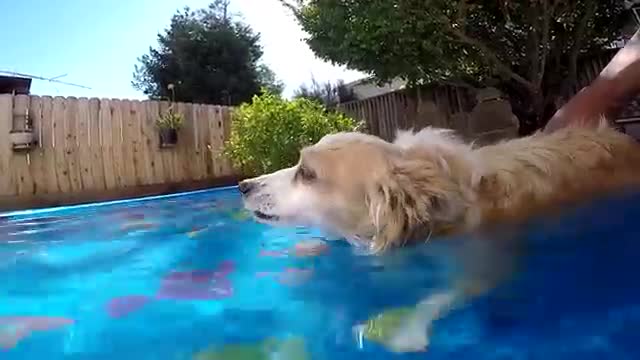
[[524, 176]]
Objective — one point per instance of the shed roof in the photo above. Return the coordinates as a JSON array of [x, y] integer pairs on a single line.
[[13, 84]]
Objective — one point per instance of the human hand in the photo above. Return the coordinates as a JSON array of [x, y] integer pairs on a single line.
[[618, 82]]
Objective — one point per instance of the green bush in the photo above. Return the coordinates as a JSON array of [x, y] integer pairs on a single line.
[[269, 133]]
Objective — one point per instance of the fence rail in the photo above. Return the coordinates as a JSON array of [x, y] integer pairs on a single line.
[[101, 144]]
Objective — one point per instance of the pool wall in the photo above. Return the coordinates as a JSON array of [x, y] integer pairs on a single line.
[[40, 201], [113, 202]]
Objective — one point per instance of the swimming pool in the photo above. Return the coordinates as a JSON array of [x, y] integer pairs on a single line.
[[193, 277]]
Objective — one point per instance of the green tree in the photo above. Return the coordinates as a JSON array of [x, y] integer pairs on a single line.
[[327, 94], [209, 55], [267, 78], [529, 49]]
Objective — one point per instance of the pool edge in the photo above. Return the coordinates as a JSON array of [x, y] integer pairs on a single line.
[[142, 198]]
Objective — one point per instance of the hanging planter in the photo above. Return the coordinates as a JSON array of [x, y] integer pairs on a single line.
[[168, 125], [168, 137], [22, 139]]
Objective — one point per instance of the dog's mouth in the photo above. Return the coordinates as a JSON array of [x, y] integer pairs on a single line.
[[266, 217]]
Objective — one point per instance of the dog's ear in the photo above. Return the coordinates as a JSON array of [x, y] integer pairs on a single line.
[[418, 195]]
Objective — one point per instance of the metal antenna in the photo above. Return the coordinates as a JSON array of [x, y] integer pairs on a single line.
[[57, 77], [53, 79]]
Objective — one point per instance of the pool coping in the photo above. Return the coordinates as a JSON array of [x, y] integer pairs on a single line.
[[52, 209]]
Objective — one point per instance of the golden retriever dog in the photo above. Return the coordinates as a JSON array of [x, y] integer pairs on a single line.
[[379, 194]]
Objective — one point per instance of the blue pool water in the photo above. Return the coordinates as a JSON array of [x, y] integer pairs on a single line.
[[174, 277]]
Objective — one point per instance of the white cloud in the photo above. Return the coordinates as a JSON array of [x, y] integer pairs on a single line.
[[285, 51]]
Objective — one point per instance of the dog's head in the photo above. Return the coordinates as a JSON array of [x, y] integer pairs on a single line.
[[368, 190]]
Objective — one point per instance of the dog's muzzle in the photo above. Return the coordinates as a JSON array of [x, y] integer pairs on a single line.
[[250, 187], [246, 186]]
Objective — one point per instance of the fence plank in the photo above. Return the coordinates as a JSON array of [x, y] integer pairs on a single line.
[[215, 117], [138, 161], [143, 168], [71, 143], [96, 148], [61, 168], [198, 171], [112, 181], [185, 143], [394, 124], [152, 109], [176, 171], [84, 145], [47, 149], [225, 124], [196, 159], [36, 163], [393, 102], [382, 117], [198, 167], [216, 133], [116, 144], [204, 142], [170, 154], [386, 113], [371, 117], [211, 122], [136, 139], [128, 138], [188, 152]]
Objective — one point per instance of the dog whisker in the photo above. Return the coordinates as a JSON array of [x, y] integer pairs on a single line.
[[429, 234]]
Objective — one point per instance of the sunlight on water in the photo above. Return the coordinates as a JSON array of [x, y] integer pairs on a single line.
[[193, 277]]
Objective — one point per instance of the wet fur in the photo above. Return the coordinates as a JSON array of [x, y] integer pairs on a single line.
[[430, 182], [441, 185]]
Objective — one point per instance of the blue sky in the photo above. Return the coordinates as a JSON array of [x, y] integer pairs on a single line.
[[96, 43]]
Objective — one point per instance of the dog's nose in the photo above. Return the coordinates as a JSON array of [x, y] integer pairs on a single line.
[[245, 187]]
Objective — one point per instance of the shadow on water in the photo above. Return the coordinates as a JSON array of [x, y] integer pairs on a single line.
[[561, 286], [573, 289]]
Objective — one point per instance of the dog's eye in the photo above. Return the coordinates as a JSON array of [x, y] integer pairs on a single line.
[[305, 173]]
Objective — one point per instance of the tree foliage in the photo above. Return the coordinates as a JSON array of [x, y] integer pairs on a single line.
[[528, 48], [209, 55], [268, 133], [268, 80], [327, 94]]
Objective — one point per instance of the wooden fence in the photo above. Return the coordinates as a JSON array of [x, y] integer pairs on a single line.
[[451, 106], [589, 68], [403, 109], [100, 145]]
